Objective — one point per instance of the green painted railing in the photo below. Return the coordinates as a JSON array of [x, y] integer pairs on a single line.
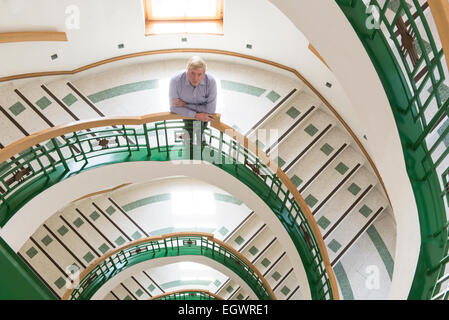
[[50, 157], [402, 41], [170, 245], [187, 295]]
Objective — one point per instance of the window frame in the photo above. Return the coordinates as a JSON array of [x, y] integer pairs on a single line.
[[150, 21]]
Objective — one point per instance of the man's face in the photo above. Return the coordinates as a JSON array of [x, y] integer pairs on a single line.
[[195, 76]]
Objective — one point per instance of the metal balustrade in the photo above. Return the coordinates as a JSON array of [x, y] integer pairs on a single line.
[[402, 39], [39, 161], [187, 295], [101, 271]]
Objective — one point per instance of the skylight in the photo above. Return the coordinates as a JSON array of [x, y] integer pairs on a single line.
[[183, 16]]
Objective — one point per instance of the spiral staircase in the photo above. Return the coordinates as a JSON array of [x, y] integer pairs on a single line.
[[316, 220]]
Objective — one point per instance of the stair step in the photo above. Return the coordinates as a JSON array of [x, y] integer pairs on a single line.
[[357, 221], [351, 193], [329, 181], [300, 138]]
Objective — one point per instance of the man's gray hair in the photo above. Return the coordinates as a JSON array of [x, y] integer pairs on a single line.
[[196, 62]]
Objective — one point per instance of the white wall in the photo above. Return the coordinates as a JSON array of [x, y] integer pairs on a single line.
[[367, 113], [272, 27], [133, 270], [35, 212]]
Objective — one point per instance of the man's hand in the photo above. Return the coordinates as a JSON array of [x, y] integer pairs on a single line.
[[205, 117], [179, 103]]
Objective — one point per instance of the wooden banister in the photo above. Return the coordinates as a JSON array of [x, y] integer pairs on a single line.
[[44, 135], [209, 236], [440, 13], [185, 291], [7, 37]]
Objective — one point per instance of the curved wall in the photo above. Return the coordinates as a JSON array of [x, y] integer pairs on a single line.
[[279, 30], [39, 209], [369, 113], [127, 273]]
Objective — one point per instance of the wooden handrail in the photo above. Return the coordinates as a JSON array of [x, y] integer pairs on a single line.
[[209, 236], [7, 37], [318, 55], [184, 291], [44, 135], [214, 51], [440, 13], [56, 131], [47, 134], [298, 198]]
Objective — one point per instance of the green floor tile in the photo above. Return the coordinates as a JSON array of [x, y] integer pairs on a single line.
[[311, 130], [110, 210], [265, 262], [229, 289], [253, 250], [217, 283], [31, 252], [103, 248], [240, 297], [151, 288], [74, 268], [273, 96], [124, 89], [365, 211], [69, 99], [43, 103], [293, 112], [78, 222], [223, 231], [88, 257], [276, 276], [119, 241], [63, 230], [280, 162], [296, 180], [311, 200], [146, 201], [47, 240], [226, 198], [239, 240], [94, 215], [136, 235], [127, 298], [139, 292], [334, 245], [327, 149], [17, 108], [354, 189], [285, 290], [60, 283], [323, 222], [341, 168], [242, 88]]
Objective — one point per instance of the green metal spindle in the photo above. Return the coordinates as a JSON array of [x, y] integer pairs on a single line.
[[61, 157], [166, 138], [147, 140]]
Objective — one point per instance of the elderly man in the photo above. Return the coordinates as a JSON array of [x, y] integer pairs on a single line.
[[193, 94]]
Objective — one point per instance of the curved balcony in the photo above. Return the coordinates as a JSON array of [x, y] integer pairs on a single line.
[[187, 295], [45, 158], [165, 246], [407, 42]]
